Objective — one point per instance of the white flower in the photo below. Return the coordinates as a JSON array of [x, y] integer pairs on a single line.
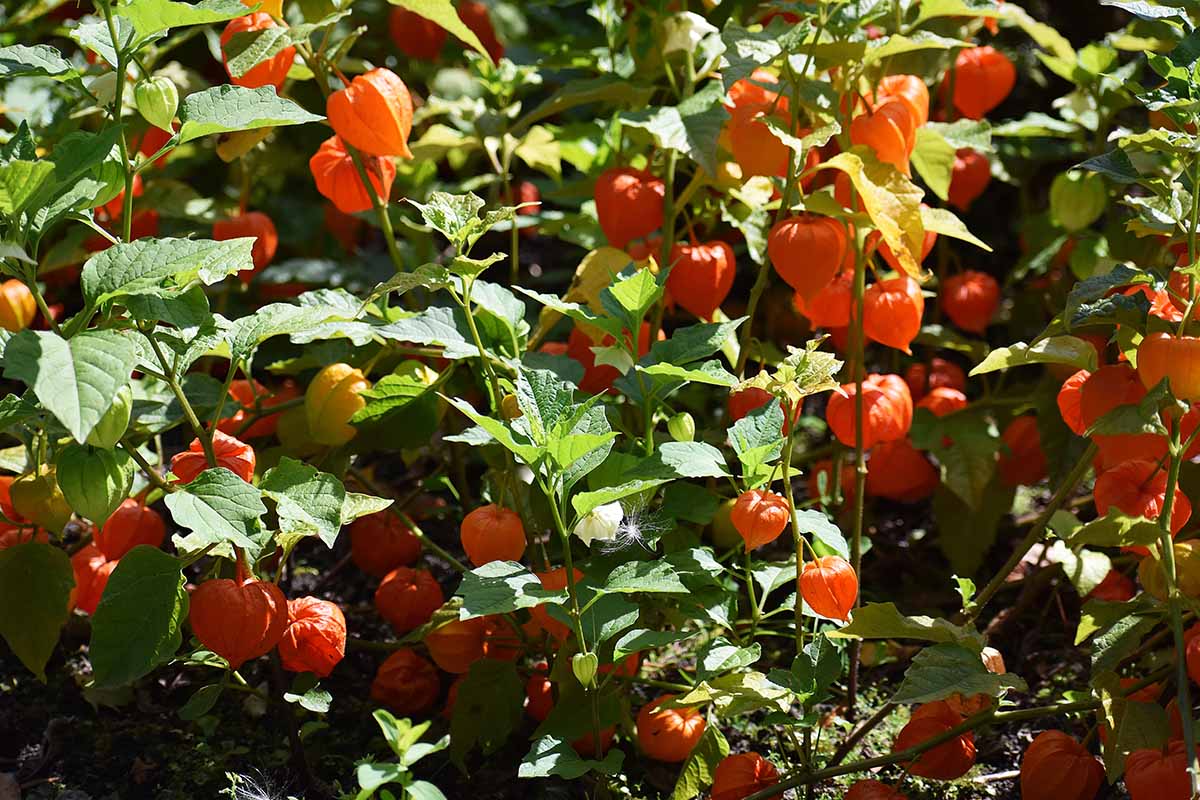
[[684, 31], [601, 524]]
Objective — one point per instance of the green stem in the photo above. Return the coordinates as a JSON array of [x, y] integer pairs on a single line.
[[493, 381], [118, 101], [204, 436], [797, 534], [151, 474]]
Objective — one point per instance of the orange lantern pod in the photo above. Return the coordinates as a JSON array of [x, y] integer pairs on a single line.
[[1069, 401], [910, 90], [414, 35], [91, 569], [983, 78], [255, 224], [1158, 774], [380, 542], [970, 300], [232, 454], [629, 204], [238, 619], [947, 761], [1056, 767], [501, 641], [245, 395], [1115, 588], [457, 645], [539, 696], [755, 148], [969, 178], [11, 537], [760, 516], [943, 400], [830, 306], [6, 506], [746, 400], [892, 311], [1174, 358], [701, 276], [875, 239], [1024, 463], [345, 228], [373, 114], [739, 776], [807, 251], [901, 472], [492, 533], [554, 581], [586, 745], [315, 638], [601, 377], [829, 587], [887, 409], [406, 683], [1107, 388], [270, 72], [133, 523], [1138, 489], [407, 598], [17, 306], [973, 704], [889, 131], [869, 789], [922, 378], [475, 16], [668, 734], [749, 92], [824, 467], [1182, 287], [338, 180]]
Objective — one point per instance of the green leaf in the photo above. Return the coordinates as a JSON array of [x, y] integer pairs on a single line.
[[308, 502], [455, 216], [610, 89], [639, 639], [443, 13], [650, 577], [945, 669], [153, 16], [1085, 569], [737, 693], [200, 703], [74, 379], [21, 182], [551, 755], [227, 108], [1068, 350], [218, 507], [513, 441], [701, 766], [137, 625], [691, 128], [40, 60], [631, 295], [1115, 530], [501, 587], [487, 708], [933, 159], [161, 267], [35, 583], [824, 532], [965, 535], [692, 343], [720, 655], [888, 46], [884, 621], [426, 276], [315, 699], [757, 438], [943, 222], [14, 410], [247, 49]]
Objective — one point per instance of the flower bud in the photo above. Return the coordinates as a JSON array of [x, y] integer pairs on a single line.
[[601, 524]]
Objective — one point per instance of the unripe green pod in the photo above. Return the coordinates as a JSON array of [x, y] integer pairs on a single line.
[[157, 100], [1077, 199], [112, 425], [682, 427], [94, 481], [585, 665], [37, 497]]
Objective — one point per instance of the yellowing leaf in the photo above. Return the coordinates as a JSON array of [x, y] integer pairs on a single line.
[[442, 12], [593, 275], [891, 200], [232, 146]]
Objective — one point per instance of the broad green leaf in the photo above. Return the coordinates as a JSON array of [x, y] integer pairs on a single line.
[[1085, 569], [21, 182], [161, 267], [154, 16], [360, 505], [691, 128], [487, 708], [35, 583], [888, 46], [884, 621], [608, 89], [218, 507], [701, 765], [965, 535], [653, 577], [721, 655], [641, 639], [444, 14], [246, 49], [737, 693], [74, 379], [757, 438], [308, 502], [1067, 350], [36, 61], [933, 159], [824, 532], [943, 222], [550, 755], [517, 443], [1115, 530], [501, 587], [426, 276], [227, 108], [945, 669], [137, 625]]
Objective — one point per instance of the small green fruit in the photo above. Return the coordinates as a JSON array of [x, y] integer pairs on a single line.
[[682, 427], [1077, 199], [94, 481], [112, 425], [37, 497], [585, 665], [157, 100]]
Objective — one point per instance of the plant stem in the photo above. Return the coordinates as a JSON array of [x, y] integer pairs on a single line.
[[118, 101], [1033, 537], [493, 381], [797, 534], [151, 474], [204, 436], [858, 345]]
